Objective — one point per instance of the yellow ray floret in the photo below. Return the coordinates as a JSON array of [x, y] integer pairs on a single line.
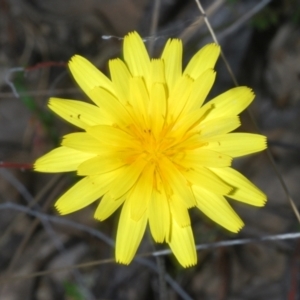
[[153, 145]]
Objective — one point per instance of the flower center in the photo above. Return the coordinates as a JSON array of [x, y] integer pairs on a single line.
[[154, 148], [150, 147]]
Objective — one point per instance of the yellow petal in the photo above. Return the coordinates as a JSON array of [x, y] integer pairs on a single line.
[[126, 178], [243, 190], [230, 103], [217, 126], [87, 75], [208, 180], [178, 183], [218, 209], [205, 158], [183, 245], [157, 108], [107, 206], [100, 164], [120, 76], [83, 142], [136, 56], [204, 59], [200, 89], [172, 57], [61, 159], [83, 193], [178, 97], [78, 113], [129, 235], [140, 194], [236, 144], [159, 217], [112, 136], [179, 211], [188, 122], [157, 71], [139, 100], [112, 110]]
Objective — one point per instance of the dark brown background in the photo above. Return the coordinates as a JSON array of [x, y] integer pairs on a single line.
[[261, 40]]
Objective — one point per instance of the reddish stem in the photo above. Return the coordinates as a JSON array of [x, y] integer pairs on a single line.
[[12, 165], [46, 64]]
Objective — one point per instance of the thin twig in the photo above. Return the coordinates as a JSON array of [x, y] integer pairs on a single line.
[[58, 220], [9, 82], [175, 286], [230, 243], [154, 23], [58, 244], [190, 30], [243, 19], [73, 91], [269, 154], [30, 230], [37, 198], [163, 294], [101, 236], [93, 232]]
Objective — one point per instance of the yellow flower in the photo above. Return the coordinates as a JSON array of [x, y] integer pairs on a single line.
[[150, 144]]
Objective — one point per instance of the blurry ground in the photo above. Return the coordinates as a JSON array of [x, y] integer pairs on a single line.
[[262, 44]]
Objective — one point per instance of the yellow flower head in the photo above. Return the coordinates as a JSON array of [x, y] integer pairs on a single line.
[[150, 144]]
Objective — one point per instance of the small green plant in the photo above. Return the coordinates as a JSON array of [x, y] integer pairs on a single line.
[[72, 292], [265, 19]]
